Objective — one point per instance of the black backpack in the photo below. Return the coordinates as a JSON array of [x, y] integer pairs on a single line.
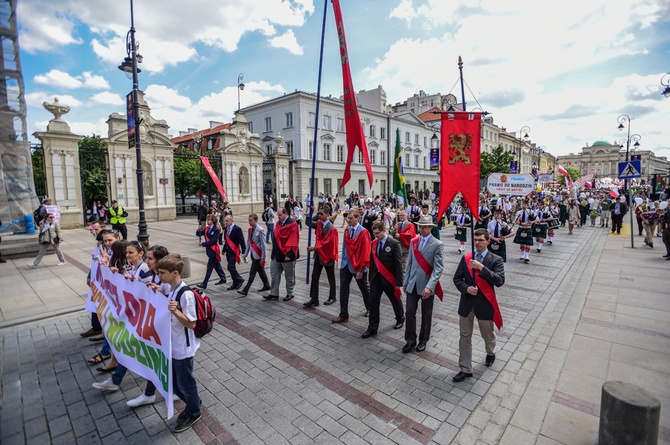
[[36, 215], [265, 216]]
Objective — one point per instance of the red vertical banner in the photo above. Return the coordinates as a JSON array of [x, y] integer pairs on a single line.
[[215, 178], [459, 159], [352, 120]]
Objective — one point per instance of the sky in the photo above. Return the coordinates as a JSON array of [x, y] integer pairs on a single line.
[[567, 70]]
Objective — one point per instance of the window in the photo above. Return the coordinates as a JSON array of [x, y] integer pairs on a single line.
[[425, 141], [311, 149], [383, 157], [268, 149], [416, 138], [407, 158], [251, 127], [289, 119], [289, 148], [311, 118], [373, 131], [327, 123], [268, 124], [326, 152], [425, 163], [382, 133], [360, 156], [407, 137], [416, 161], [373, 157], [340, 125], [340, 153]]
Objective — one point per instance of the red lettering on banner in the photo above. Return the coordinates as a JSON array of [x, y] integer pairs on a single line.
[[149, 330], [132, 309]]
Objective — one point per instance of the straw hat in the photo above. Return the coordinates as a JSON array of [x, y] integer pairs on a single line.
[[426, 220]]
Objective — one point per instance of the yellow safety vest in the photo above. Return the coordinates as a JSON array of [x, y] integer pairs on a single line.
[[116, 215]]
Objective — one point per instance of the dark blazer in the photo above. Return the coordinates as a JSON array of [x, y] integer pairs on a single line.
[[391, 257], [276, 253], [493, 272], [237, 237], [213, 235], [623, 208]]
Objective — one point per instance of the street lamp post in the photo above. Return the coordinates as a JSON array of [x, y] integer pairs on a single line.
[[240, 86], [523, 134], [636, 137], [129, 65], [665, 81]]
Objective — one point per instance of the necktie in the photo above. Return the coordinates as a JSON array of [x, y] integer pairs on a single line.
[[379, 248], [496, 232], [422, 243], [524, 217], [351, 232], [478, 257]]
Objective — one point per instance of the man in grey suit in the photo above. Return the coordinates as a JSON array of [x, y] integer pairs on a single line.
[[478, 300], [255, 245], [422, 283]]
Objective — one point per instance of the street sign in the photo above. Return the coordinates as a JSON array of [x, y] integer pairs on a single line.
[[629, 169]]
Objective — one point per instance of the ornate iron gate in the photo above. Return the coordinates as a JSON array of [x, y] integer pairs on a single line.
[[192, 180], [39, 170], [95, 184]]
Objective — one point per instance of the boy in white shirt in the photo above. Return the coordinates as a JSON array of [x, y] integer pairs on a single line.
[[184, 342]]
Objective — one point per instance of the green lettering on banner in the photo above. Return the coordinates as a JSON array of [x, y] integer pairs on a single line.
[[137, 348]]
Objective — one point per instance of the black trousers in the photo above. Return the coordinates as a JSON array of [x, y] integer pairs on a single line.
[[213, 264], [232, 269], [378, 286], [123, 230], [426, 317], [617, 222], [316, 275], [345, 284], [256, 269]]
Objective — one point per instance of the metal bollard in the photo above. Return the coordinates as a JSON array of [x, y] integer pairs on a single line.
[[628, 415]]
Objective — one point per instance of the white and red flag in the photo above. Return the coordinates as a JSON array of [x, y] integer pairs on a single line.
[[352, 119]]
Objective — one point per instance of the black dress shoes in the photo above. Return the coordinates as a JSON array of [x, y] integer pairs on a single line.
[[201, 286], [220, 282], [310, 303], [243, 292], [399, 324], [461, 376], [490, 359], [264, 289], [270, 297], [288, 298], [329, 301], [421, 346], [368, 334], [408, 348]]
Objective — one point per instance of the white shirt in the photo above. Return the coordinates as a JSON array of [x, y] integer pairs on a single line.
[[178, 332]]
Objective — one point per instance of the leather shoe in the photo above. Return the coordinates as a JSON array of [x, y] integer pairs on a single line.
[[90, 333], [236, 285], [408, 348], [270, 297], [329, 301], [220, 282], [368, 334], [202, 286], [340, 320], [461, 376], [399, 324], [243, 292], [490, 359], [310, 303], [421, 346], [264, 289], [288, 298]]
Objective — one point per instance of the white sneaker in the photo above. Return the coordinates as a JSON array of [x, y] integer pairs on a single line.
[[106, 385], [31, 265], [62, 263], [140, 400], [175, 398]]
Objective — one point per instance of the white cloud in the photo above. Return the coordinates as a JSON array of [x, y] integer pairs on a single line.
[[404, 11], [161, 96], [107, 98], [42, 28], [287, 41], [61, 79], [37, 98]]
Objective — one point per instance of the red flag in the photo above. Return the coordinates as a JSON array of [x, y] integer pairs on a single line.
[[459, 159], [614, 193], [352, 120], [215, 178]]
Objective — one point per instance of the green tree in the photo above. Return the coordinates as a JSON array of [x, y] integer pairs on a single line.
[[39, 173], [497, 161], [573, 172], [187, 170], [93, 164]]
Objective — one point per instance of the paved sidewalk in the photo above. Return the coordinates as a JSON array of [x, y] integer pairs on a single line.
[[585, 310]]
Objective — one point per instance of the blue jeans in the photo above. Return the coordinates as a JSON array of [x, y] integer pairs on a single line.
[[105, 350], [185, 386], [119, 374], [270, 233]]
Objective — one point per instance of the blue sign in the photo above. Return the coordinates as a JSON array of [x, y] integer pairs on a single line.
[[514, 167], [630, 169]]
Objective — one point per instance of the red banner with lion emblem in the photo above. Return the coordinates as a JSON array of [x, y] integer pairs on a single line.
[[459, 159]]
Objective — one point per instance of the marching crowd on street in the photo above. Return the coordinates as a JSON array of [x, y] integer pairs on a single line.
[[388, 246]]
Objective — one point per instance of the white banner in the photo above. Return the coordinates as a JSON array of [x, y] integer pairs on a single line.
[[510, 184], [136, 322], [545, 177]]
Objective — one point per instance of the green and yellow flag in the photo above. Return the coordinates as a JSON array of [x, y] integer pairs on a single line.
[[398, 172]]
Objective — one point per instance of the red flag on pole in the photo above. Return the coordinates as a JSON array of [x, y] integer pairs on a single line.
[[459, 159], [215, 178], [352, 120]]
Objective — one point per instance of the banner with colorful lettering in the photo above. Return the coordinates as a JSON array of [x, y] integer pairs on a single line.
[[136, 322]]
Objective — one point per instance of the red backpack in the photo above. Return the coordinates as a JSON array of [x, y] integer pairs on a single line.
[[204, 310]]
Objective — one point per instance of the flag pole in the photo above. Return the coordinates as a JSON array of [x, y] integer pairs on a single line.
[[472, 220], [310, 210]]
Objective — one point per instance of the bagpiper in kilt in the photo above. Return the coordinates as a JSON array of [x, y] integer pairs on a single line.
[[463, 221], [499, 231], [541, 225], [524, 236]]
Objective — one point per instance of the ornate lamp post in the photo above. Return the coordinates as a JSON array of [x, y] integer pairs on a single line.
[[665, 81], [523, 135], [636, 138], [129, 66], [240, 86]]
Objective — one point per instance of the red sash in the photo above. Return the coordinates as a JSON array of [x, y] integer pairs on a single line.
[[488, 292], [287, 238], [407, 234], [388, 276], [358, 249], [427, 268], [231, 245], [214, 247], [326, 245], [254, 246]]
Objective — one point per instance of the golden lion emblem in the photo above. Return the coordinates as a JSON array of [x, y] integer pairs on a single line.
[[460, 146]]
